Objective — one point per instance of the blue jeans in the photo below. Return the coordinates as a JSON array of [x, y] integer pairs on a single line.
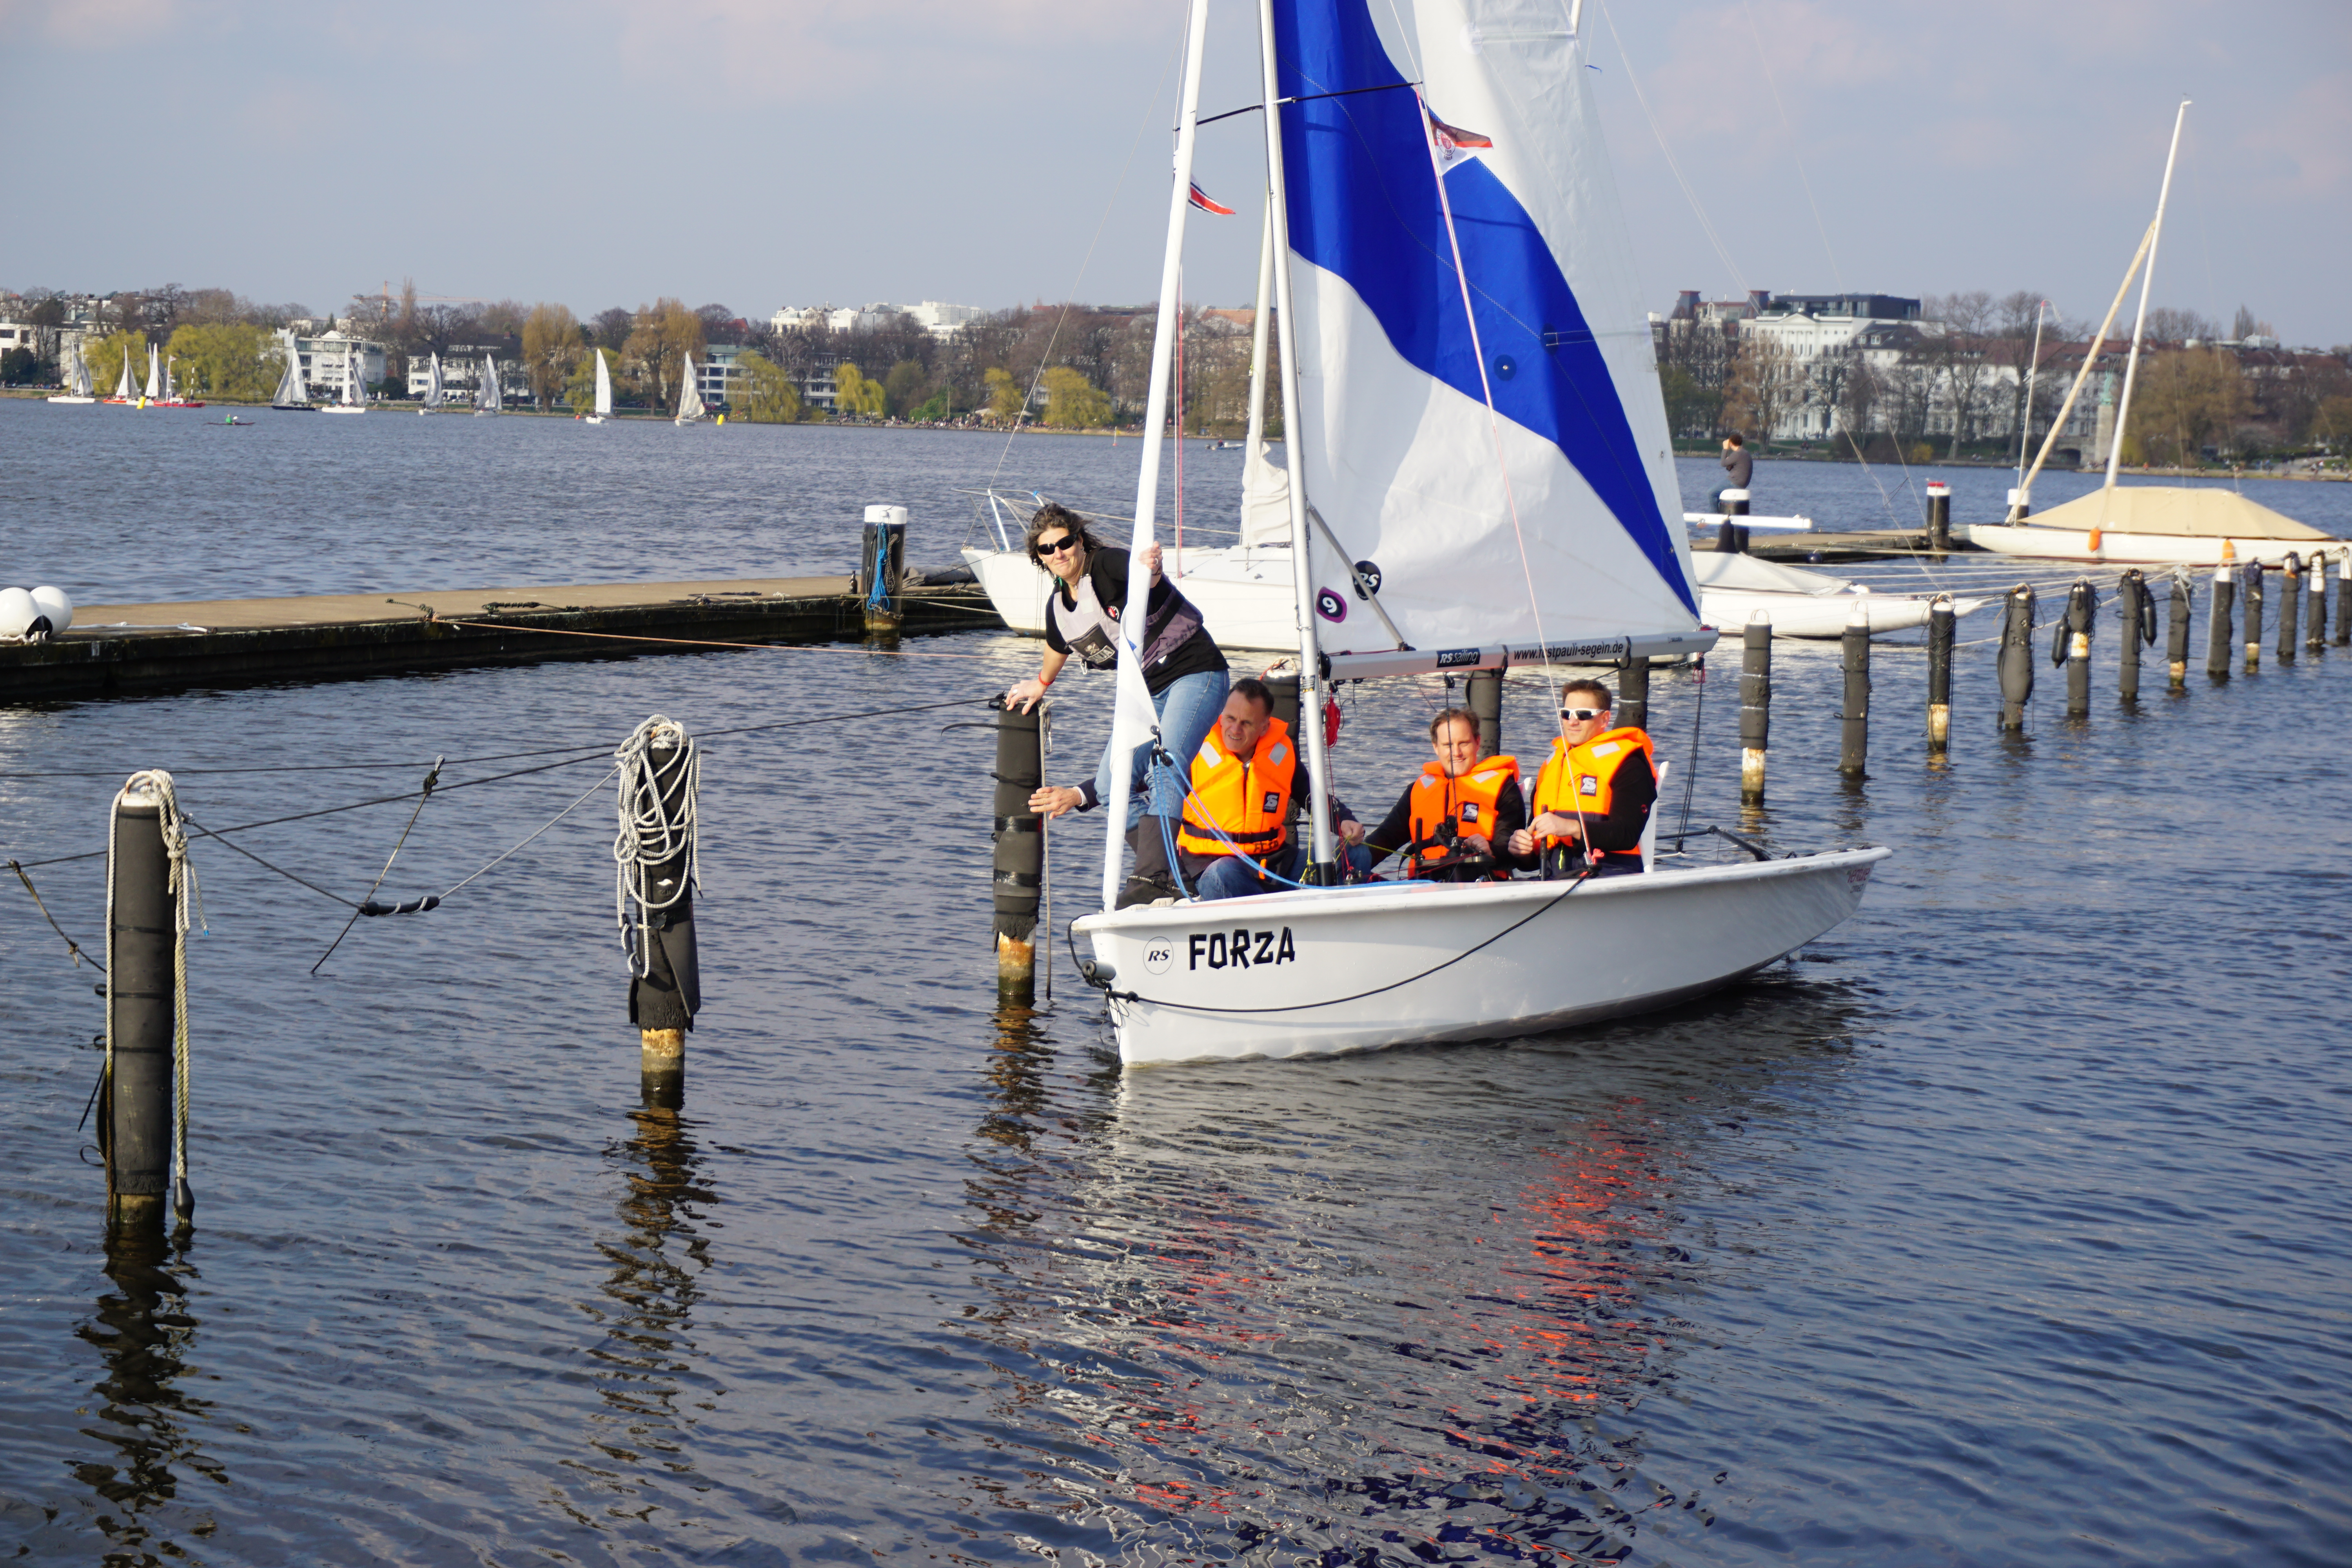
[[1187, 710], [1236, 876]]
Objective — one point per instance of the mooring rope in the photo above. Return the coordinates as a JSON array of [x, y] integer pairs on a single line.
[[188, 911], [650, 833]]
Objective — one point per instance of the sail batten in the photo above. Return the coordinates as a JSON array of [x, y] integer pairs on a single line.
[[1401, 454]]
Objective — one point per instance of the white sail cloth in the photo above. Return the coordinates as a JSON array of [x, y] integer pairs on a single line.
[[1266, 500], [1400, 454]]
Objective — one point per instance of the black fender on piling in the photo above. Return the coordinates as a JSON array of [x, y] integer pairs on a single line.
[[142, 1010], [1755, 709], [1017, 872], [2176, 628], [1942, 623], [2343, 599], [2218, 636], [2314, 634], [2135, 606], [2016, 661], [1940, 517], [2070, 645], [1485, 701], [2290, 606], [664, 1000], [2250, 596], [1854, 732]]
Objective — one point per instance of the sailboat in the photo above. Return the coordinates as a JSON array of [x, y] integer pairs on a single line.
[[354, 396], [155, 393], [77, 379], [487, 399], [432, 385], [690, 397], [293, 393], [2148, 524], [1472, 408], [125, 390], [604, 392]]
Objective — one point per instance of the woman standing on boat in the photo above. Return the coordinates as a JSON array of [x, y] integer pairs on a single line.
[[1182, 670]]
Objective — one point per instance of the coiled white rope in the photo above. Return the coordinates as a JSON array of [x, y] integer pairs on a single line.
[[649, 832], [188, 912]]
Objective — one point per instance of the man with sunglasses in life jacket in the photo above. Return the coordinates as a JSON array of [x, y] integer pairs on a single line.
[[1246, 778], [1593, 797], [1455, 823]]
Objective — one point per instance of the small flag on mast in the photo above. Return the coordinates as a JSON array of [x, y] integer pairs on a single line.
[[1201, 199], [1454, 143]]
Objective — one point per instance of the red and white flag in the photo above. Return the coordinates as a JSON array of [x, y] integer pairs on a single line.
[[1454, 143], [1201, 199]]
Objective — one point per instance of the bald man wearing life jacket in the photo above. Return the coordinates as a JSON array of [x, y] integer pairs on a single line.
[[1593, 797]]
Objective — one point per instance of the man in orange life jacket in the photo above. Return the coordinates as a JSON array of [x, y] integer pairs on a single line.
[[1479, 800], [1593, 797], [1246, 777]]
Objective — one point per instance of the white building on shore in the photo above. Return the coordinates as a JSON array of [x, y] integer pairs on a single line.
[[937, 317]]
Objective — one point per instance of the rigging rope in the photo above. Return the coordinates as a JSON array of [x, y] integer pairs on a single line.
[[651, 834]]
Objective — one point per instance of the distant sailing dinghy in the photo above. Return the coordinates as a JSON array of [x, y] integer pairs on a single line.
[[293, 394], [486, 396], [690, 397], [155, 393], [77, 379], [604, 392], [354, 398], [432, 386], [1479, 476], [125, 390]]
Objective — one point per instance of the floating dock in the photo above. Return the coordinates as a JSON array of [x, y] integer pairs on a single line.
[[114, 650]]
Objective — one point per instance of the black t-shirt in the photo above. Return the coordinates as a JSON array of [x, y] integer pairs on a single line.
[[1108, 571]]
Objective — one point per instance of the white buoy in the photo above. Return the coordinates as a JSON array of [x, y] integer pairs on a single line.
[[56, 604], [16, 611]]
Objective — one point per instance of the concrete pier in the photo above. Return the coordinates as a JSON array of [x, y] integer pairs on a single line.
[[234, 642]]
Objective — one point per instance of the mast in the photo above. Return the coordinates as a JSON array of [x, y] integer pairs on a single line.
[[1258, 324], [2033, 369], [1302, 569], [2139, 325], [1130, 728]]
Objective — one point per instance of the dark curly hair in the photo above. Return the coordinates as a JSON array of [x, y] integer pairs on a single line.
[[1047, 516]]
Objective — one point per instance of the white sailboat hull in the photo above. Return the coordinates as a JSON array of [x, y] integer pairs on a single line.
[[1246, 601], [2127, 549], [1350, 969], [69, 397]]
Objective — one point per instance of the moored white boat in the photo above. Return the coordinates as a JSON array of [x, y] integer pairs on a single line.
[[77, 379], [2154, 525], [293, 393], [1733, 588], [1478, 476]]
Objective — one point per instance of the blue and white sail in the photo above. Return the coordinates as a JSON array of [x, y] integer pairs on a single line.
[[1571, 532]]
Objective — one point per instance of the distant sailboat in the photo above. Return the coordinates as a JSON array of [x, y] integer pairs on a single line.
[[154, 378], [125, 390], [77, 379], [604, 392], [432, 386], [486, 396], [690, 397], [293, 393], [354, 399]]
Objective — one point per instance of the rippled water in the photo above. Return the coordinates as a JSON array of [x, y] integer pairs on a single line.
[[2004, 1225]]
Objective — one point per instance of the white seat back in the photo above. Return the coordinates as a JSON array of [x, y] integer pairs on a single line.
[[1650, 828]]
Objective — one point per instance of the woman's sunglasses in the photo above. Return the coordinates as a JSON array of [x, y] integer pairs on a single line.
[[1055, 546]]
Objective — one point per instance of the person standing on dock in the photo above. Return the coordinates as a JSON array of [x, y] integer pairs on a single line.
[[1593, 797], [1738, 467], [1182, 668]]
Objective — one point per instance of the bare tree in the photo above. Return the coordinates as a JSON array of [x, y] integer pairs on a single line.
[[2168, 325]]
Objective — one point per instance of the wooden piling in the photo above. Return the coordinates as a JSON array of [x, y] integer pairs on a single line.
[[664, 1000], [2217, 633], [1940, 517], [2314, 634], [1485, 701], [1755, 706], [1853, 739], [1633, 693], [142, 1010], [2075, 623], [2290, 606], [2251, 597], [2016, 662], [2343, 599], [882, 569], [2176, 631], [1019, 833], [1731, 536], [1942, 623]]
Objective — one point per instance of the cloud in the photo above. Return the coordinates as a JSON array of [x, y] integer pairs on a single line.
[[89, 23]]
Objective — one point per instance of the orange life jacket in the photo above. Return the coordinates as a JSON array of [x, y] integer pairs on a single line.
[[1467, 802], [1249, 798], [1594, 766]]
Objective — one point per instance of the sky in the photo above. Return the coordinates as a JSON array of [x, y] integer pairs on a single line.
[[764, 152]]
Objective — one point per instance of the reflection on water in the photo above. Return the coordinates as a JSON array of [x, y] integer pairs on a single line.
[[648, 1370], [143, 1335], [1412, 1304]]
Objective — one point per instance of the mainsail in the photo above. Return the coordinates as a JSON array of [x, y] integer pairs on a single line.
[[1571, 532], [292, 390], [123, 389], [433, 382], [155, 376], [604, 388], [354, 370], [81, 373], [690, 397], [486, 396]]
